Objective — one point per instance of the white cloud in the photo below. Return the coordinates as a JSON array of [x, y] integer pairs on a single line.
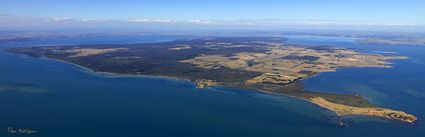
[[89, 20], [60, 19], [138, 20], [168, 21], [197, 21], [143, 20], [269, 22], [288, 22]]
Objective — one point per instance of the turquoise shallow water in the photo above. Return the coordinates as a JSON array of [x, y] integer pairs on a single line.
[[79, 103]]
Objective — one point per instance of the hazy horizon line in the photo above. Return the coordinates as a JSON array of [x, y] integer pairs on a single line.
[[10, 21]]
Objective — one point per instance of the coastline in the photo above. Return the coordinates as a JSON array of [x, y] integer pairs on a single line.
[[294, 89], [100, 73], [90, 71], [343, 110]]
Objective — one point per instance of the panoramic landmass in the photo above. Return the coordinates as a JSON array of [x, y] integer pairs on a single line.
[[260, 63]]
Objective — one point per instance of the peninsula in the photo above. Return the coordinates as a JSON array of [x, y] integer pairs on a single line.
[[260, 63]]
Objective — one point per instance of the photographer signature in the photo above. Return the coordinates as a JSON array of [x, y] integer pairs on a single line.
[[28, 131]]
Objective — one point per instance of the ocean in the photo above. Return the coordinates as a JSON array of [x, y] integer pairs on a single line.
[[58, 99]]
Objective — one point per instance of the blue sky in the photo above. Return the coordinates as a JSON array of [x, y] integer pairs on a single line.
[[268, 12]]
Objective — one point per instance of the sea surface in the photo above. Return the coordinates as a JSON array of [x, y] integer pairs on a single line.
[[58, 99]]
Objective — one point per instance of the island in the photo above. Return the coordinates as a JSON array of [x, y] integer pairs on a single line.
[[394, 41], [266, 64]]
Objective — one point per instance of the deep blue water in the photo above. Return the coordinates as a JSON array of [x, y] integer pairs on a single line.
[[79, 103]]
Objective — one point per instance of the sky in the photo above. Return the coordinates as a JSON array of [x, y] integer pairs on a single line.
[[266, 13]]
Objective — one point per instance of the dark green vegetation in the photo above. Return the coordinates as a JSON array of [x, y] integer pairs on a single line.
[[307, 58], [296, 89], [164, 59]]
